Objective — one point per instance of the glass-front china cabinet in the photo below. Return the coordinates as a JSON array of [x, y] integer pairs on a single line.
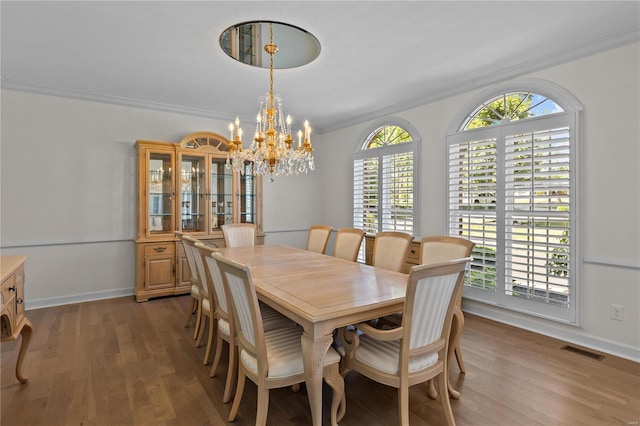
[[185, 187]]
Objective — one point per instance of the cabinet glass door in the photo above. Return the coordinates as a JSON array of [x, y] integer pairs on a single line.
[[221, 194], [192, 193], [160, 192], [247, 199]]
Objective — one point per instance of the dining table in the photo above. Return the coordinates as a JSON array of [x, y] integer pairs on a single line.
[[321, 293]]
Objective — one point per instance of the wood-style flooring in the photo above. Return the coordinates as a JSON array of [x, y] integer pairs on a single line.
[[118, 362]]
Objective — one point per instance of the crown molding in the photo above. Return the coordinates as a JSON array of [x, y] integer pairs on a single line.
[[557, 58], [114, 100]]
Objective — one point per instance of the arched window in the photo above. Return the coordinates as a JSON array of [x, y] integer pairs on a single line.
[[512, 189], [384, 178]]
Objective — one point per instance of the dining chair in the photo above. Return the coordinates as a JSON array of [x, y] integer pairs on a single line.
[[318, 238], [390, 250], [438, 249], [274, 358], [239, 234], [416, 351], [224, 319], [348, 242], [194, 305], [206, 297]]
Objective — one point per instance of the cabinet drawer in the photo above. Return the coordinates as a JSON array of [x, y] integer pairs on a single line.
[[413, 255], [8, 313], [19, 276], [159, 249]]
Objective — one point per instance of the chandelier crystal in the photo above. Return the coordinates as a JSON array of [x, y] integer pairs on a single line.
[[272, 150]]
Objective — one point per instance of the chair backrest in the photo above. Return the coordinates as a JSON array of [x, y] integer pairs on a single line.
[[444, 248], [190, 247], [243, 302], [390, 250], [429, 303], [239, 234], [348, 241], [214, 277], [318, 238], [191, 261]]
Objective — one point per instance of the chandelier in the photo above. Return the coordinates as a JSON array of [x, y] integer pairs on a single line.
[[272, 150]]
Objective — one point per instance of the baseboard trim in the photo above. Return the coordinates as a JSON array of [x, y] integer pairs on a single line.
[[568, 336], [78, 298]]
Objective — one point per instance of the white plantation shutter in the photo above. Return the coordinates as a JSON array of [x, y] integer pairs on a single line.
[[384, 182], [512, 190], [365, 194], [397, 192], [537, 190], [472, 205]]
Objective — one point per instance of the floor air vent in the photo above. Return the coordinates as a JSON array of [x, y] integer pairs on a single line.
[[583, 352]]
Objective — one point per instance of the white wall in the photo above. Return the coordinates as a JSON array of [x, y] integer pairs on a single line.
[[607, 85], [68, 192], [58, 154]]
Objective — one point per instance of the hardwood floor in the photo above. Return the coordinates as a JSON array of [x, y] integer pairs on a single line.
[[118, 362]]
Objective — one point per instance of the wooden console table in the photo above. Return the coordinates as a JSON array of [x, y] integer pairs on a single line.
[[12, 319]]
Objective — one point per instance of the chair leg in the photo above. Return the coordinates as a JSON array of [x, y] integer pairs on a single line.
[[443, 381], [193, 305], [238, 397], [338, 401], [457, 324], [403, 403], [203, 325], [216, 357], [198, 320], [454, 337], [263, 406], [433, 393], [211, 336], [231, 373]]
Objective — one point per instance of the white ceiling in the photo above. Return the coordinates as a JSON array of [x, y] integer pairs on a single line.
[[377, 57]]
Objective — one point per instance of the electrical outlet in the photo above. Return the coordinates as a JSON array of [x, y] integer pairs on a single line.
[[616, 312]]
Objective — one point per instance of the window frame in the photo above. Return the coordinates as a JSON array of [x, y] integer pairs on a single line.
[[571, 117]]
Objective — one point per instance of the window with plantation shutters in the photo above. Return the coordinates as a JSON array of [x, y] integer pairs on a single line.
[[512, 190], [383, 181]]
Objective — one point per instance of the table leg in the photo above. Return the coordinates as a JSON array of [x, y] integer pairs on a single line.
[[313, 352], [24, 345]]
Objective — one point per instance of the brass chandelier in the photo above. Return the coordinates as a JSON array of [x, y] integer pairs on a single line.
[[272, 150]]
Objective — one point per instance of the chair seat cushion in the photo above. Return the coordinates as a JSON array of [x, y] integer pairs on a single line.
[[195, 290], [206, 305], [284, 353], [384, 355], [223, 326]]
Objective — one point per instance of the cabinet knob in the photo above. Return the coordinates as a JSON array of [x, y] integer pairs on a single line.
[[19, 301], [159, 249], [13, 288]]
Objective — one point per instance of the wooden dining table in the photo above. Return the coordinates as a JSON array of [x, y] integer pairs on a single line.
[[321, 293]]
